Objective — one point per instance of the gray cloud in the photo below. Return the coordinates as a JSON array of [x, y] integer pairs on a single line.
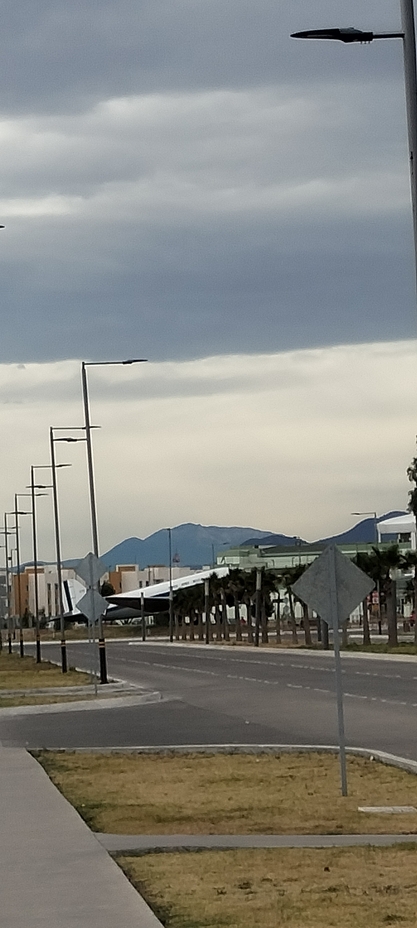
[[56, 56], [182, 179]]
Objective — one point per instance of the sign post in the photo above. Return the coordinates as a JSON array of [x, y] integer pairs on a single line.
[[333, 586], [92, 605]]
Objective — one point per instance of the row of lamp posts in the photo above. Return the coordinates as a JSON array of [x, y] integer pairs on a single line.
[[35, 491]]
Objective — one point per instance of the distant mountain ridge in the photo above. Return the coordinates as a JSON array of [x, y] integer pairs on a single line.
[[364, 531], [195, 545], [198, 545]]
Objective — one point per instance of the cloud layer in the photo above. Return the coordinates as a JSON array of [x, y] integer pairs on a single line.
[[290, 442], [185, 178]]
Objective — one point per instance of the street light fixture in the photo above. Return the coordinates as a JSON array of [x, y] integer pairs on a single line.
[[408, 35], [90, 467], [347, 36]]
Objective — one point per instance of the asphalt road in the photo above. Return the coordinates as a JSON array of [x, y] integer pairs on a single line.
[[227, 695]]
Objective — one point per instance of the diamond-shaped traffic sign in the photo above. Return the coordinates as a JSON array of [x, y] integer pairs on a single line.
[[90, 569], [92, 605], [315, 586]]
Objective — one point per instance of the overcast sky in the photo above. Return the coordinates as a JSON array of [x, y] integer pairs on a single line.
[[182, 181]]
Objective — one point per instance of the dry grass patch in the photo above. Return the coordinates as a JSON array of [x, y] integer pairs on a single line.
[[24, 673], [230, 794], [29, 700], [296, 888]]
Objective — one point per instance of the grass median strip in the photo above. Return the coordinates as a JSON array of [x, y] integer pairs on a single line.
[[20, 674], [297, 888], [231, 794]]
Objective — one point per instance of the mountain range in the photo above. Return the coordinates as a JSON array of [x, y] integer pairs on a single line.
[[198, 545]]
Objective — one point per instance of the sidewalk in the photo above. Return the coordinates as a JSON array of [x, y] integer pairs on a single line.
[[126, 843], [54, 873]]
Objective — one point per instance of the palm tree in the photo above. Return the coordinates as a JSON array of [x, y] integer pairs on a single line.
[[364, 561], [297, 572], [288, 578], [236, 587], [248, 596], [384, 563], [180, 611], [216, 598], [188, 603], [270, 584]]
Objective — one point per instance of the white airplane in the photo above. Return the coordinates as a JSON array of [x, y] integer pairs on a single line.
[[156, 597]]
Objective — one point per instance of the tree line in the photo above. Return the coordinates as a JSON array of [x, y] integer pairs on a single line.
[[262, 602]]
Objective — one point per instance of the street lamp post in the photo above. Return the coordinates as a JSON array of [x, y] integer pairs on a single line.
[[408, 35], [54, 466], [207, 609], [18, 513], [35, 565], [171, 594], [3, 609], [91, 483], [6, 534], [32, 495], [34, 487], [14, 617]]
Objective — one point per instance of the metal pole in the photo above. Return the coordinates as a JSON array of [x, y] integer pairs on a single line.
[[207, 608], [93, 510], [3, 615], [410, 75], [35, 566], [64, 665], [6, 545], [142, 613], [171, 594], [258, 605], [338, 668], [90, 466], [19, 591]]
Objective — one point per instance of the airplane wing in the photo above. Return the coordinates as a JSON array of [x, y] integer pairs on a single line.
[[156, 597]]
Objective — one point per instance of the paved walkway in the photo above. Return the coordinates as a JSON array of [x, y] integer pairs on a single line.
[[54, 873], [168, 842]]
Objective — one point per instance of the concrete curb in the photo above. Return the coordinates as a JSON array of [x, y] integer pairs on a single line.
[[145, 843], [82, 705], [116, 688], [213, 646]]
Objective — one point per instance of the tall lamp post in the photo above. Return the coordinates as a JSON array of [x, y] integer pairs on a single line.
[[171, 594], [34, 487], [33, 495], [6, 534], [91, 483], [3, 606], [408, 35], [18, 513], [54, 467]]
